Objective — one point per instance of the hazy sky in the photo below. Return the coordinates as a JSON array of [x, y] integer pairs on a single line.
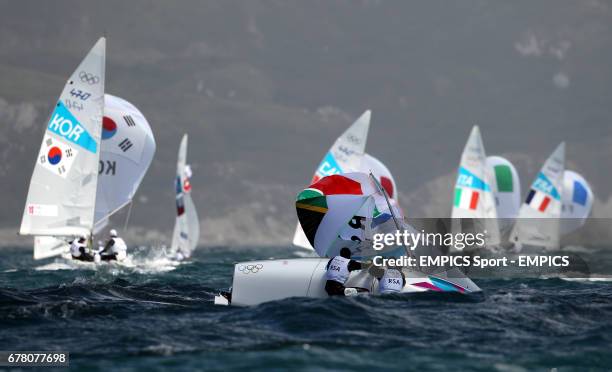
[[264, 87]]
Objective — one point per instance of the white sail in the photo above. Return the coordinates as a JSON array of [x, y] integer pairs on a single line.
[[507, 191], [187, 226], [543, 202], [62, 192], [473, 203], [381, 172], [345, 155], [120, 172], [577, 199], [128, 146]]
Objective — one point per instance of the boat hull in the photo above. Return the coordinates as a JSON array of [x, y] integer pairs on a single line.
[[256, 282]]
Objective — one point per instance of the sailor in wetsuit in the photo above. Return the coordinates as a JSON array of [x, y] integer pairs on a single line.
[[78, 250], [392, 281], [338, 269], [115, 248]]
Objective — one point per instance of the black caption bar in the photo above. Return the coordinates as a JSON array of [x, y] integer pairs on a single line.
[[34, 359]]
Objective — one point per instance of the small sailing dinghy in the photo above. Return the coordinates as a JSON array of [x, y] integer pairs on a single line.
[[544, 203], [559, 202], [336, 211], [345, 155], [474, 208], [94, 154], [187, 225]]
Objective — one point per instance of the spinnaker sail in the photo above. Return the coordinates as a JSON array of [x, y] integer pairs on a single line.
[[187, 226], [473, 203], [345, 155], [382, 174], [128, 146], [345, 211], [507, 191], [577, 199], [62, 192], [544, 203]]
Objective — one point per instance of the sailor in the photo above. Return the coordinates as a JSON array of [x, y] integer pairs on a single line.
[[78, 249], [392, 281], [115, 248], [338, 269]]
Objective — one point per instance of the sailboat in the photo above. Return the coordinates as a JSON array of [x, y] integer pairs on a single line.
[[345, 155], [124, 145], [560, 199], [341, 210], [187, 226], [544, 203], [474, 208], [127, 149], [62, 192]]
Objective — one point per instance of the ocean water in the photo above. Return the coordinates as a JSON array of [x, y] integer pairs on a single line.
[[158, 316]]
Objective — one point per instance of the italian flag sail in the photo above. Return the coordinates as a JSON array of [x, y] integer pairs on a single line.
[[473, 195], [466, 198]]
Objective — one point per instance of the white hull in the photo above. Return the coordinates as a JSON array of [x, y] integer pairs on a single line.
[[256, 282]]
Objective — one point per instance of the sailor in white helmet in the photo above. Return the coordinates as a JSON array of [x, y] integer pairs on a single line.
[[115, 248], [392, 281], [338, 269], [78, 249]]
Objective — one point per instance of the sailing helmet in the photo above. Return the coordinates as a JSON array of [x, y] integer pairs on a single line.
[[113, 233]]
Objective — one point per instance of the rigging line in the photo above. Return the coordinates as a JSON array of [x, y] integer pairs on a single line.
[[397, 225], [127, 218]]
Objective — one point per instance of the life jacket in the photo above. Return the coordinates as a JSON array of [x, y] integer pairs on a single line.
[[75, 248], [391, 282], [338, 269], [119, 248]]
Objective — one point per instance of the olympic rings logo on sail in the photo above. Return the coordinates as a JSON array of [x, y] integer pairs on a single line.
[[250, 268], [88, 78]]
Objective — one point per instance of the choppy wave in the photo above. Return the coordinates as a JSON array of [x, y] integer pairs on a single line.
[[152, 318]]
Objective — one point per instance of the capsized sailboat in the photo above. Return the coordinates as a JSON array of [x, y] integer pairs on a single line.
[[187, 225], [345, 155], [544, 203], [62, 192], [474, 208], [336, 211]]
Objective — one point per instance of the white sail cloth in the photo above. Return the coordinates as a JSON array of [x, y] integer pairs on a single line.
[[473, 195], [543, 202], [128, 146], [577, 200], [187, 226], [345, 155], [62, 192], [506, 190]]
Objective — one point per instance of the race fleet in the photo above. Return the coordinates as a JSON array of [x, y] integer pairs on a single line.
[[97, 148]]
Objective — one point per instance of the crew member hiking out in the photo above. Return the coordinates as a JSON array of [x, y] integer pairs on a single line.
[[338, 269]]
